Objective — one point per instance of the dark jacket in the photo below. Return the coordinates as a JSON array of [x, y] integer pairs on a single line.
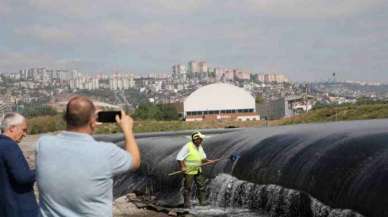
[[17, 197]]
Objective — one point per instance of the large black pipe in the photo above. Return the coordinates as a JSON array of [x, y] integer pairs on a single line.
[[342, 164]]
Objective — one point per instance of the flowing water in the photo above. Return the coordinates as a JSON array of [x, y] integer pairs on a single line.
[[230, 193], [209, 211]]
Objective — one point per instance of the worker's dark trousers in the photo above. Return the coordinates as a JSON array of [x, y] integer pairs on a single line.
[[200, 182]]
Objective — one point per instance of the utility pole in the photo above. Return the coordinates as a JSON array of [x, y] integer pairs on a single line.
[[305, 97], [16, 104]]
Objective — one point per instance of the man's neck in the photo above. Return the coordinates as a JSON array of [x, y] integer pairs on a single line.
[[197, 146], [85, 130]]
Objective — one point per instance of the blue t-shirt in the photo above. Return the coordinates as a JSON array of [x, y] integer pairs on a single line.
[[75, 175]]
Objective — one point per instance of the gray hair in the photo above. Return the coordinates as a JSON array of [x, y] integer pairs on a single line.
[[11, 119]]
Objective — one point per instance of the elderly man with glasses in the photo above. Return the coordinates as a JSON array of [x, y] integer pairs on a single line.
[[16, 179]]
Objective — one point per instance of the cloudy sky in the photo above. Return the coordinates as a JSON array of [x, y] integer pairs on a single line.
[[307, 40]]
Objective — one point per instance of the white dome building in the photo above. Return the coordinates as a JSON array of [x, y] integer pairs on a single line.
[[220, 101]]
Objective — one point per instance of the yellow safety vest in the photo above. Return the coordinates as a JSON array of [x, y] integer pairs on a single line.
[[194, 160]]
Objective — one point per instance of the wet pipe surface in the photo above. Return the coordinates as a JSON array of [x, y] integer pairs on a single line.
[[336, 169]]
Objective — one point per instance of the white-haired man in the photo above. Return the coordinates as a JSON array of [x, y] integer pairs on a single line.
[[16, 179]]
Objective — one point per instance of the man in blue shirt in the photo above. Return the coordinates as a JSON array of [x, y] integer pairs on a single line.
[[75, 172], [17, 197]]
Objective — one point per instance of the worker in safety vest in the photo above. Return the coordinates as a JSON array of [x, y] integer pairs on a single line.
[[190, 159]]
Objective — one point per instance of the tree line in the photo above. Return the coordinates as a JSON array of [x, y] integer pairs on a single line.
[[145, 111]]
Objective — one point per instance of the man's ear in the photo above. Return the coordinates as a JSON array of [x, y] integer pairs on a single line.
[[12, 129], [93, 123]]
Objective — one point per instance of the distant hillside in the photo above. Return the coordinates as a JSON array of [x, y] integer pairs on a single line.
[[339, 113]]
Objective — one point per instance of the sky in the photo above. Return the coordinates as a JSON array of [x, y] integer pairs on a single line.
[[307, 40]]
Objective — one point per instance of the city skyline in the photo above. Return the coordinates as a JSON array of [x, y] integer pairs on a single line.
[[305, 40]]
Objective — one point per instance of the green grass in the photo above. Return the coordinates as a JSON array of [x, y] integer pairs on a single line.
[[339, 113], [160, 126]]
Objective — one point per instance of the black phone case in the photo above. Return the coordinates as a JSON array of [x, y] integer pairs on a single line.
[[108, 116]]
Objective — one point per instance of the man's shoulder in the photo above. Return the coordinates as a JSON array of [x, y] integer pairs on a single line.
[[5, 139], [108, 145], [7, 143], [47, 137], [185, 147], [102, 146], [59, 137]]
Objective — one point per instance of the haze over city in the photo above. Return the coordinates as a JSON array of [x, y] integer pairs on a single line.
[[305, 40]]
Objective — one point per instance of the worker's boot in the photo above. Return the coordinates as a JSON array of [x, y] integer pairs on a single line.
[[187, 200], [202, 198]]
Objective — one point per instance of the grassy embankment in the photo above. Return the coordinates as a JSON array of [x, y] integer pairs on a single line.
[[45, 124], [338, 113]]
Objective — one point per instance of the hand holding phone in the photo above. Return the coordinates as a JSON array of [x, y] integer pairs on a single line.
[[125, 122]]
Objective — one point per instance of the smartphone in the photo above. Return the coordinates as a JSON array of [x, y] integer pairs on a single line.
[[108, 116]]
